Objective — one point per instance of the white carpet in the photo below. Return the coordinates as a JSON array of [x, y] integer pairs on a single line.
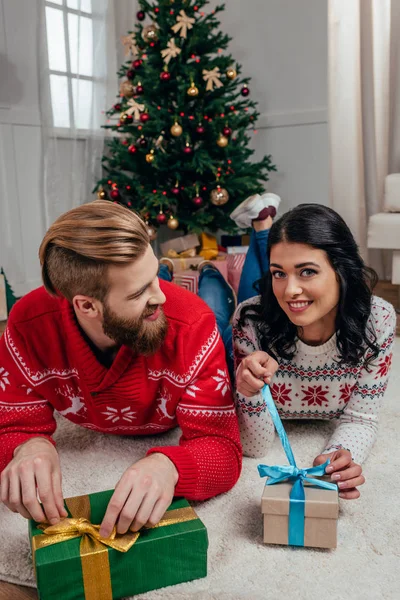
[[365, 565]]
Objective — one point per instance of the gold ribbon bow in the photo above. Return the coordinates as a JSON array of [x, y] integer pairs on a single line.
[[212, 78], [93, 547], [183, 24], [191, 253], [135, 109], [171, 51], [128, 41]]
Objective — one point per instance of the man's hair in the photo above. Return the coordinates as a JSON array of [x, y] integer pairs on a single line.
[[81, 244]]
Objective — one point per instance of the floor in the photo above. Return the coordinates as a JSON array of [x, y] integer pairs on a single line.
[[16, 592]]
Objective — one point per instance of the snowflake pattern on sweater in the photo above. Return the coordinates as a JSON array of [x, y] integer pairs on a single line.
[[314, 386], [46, 364]]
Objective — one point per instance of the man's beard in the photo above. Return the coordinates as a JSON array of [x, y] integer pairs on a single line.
[[141, 336]]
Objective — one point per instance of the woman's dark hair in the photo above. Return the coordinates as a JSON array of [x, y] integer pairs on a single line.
[[320, 227]]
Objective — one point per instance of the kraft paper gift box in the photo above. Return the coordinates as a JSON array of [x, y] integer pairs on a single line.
[[72, 562], [180, 244], [299, 506], [321, 512]]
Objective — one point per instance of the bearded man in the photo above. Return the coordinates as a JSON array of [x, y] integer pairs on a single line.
[[114, 349]]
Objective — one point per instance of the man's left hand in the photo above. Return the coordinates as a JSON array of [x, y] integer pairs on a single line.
[[142, 495], [343, 471]]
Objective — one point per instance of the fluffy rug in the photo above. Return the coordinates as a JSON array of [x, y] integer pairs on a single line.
[[364, 566]]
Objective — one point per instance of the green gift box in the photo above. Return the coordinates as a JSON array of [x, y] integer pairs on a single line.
[[70, 564]]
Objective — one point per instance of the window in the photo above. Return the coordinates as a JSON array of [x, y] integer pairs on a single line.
[[69, 31]]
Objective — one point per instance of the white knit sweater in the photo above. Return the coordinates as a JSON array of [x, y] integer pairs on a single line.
[[314, 386]]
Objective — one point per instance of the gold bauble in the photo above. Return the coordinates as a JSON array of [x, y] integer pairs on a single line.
[[127, 89], [101, 194], [150, 33], [176, 130], [219, 196], [231, 73], [222, 141], [193, 91], [173, 222], [150, 156], [151, 232]]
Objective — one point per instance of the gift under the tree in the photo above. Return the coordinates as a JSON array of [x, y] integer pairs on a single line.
[[72, 561], [235, 264], [189, 277], [298, 509]]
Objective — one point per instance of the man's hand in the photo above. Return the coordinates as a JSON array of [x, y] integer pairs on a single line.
[[254, 372], [344, 471], [34, 470], [142, 495]]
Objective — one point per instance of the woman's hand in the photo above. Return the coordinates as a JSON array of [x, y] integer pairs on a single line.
[[344, 471], [254, 372]]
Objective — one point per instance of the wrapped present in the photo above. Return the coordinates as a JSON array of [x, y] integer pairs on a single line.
[[298, 509], [180, 244], [73, 562], [235, 264], [189, 277], [189, 280], [209, 246]]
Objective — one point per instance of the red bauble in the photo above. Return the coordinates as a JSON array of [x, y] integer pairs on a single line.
[[197, 201], [245, 91], [161, 218], [140, 15], [165, 76], [200, 129], [139, 90], [127, 120], [114, 194], [132, 149], [137, 63], [117, 107], [175, 191], [143, 142], [130, 74], [144, 117], [188, 150], [227, 131]]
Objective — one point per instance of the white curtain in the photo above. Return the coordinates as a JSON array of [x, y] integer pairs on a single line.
[[364, 109], [71, 117]]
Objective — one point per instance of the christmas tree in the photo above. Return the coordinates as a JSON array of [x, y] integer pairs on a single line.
[[10, 296], [180, 151]]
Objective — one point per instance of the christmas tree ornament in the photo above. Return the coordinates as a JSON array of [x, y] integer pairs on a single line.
[[117, 107], [151, 231], [139, 89], [173, 222], [222, 141], [227, 131], [197, 201], [131, 74], [183, 23], [161, 218], [245, 91], [193, 91], [101, 194], [150, 156], [142, 142], [219, 196], [171, 51], [114, 194], [144, 117], [213, 79], [200, 129], [140, 15], [165, 75], [129, 43], [175, 189], [127, 89], [134, 109], [188, 150], [231, 73], [132, 149], [137, 63], [150, 33], [125, 119], [176, 130]]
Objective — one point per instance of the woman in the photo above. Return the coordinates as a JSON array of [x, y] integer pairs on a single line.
[[319, 338]]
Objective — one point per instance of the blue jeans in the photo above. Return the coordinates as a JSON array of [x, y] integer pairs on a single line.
[[214, 290]]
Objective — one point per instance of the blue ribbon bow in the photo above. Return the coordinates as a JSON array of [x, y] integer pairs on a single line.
[[290, 472]]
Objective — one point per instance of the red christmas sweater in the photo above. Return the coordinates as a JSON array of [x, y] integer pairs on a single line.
[[46, 365]]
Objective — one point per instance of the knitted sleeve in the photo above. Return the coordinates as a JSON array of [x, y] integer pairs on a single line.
[[209, 455], [358, 423], [23, 413], [256, 426]]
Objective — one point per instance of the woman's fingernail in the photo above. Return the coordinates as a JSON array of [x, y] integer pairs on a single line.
[[335, 476], [329, 469], [342, 484]]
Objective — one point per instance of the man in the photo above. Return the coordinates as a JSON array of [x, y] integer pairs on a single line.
[[114, 349]]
